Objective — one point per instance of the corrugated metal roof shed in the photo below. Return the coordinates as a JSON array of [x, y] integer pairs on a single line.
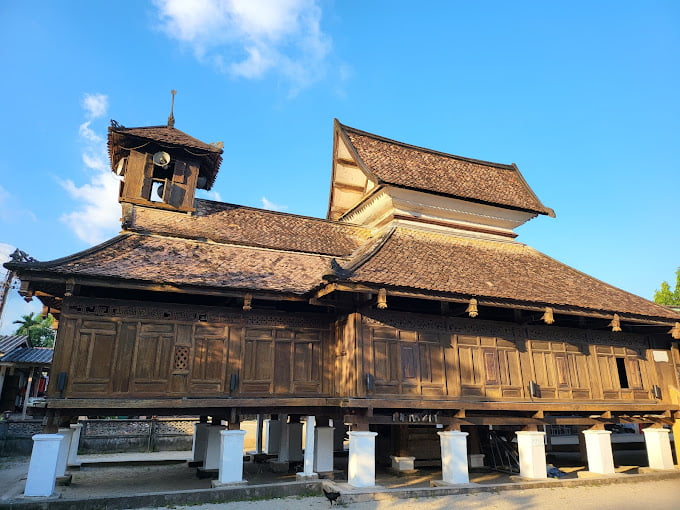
[[10, 342], [29, 356]]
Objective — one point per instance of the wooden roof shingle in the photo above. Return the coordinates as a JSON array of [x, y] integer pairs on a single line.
[[228, 223], [412, 167], [439, 262]]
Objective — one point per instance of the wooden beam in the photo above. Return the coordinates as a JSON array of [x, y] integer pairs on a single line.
[[349, 187], [346, 162]]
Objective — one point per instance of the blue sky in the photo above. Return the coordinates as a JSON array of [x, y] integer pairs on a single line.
[[582, 96]]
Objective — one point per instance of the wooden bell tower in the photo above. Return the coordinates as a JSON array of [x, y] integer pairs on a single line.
[[162, 166]]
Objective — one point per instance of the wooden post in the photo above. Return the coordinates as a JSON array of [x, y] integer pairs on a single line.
[[676, 439], [3, 370], [27, 393], [583, 452], [401, 447]]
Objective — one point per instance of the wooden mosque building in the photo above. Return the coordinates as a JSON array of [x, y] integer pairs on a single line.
[[411, 314]]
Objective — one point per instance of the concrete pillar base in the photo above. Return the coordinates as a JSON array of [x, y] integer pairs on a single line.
[[73, 461], [213, 445], [361, 463], [64, 447], [309, 454], [42, 470], [599, 450], [659, 451], [403, 464], [302, 477], [454, 456], [291, 442], [272, 437], [323, 451], [231, 456], [200, 444], [531, 446], [476, 460]]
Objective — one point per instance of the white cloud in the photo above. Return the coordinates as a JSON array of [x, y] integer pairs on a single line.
[[210, 195], [5, 251], [250, 38], [97, 215], [268, 204], [95, 105]]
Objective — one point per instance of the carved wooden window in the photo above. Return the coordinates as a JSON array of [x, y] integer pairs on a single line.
[[181, 359]]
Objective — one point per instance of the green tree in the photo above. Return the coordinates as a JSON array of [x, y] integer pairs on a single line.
[[38, 329], [666, 295]]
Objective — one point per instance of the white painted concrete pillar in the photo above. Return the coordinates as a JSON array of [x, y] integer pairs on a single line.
[[658, 445], [272, 437], [454, 456], [361, 464], [199, 445], [213, 447], [231, 456], [42, 470], [531, 446], [308, 469], [323, 449], [64, 447], [599, 451], [291, 442], [73, 446]]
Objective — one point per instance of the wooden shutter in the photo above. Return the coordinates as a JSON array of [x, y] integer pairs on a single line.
[[138, 174]]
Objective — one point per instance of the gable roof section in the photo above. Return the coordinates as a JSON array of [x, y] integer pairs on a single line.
[[408, 166], [433, 262], [228, 223], [171, 261]]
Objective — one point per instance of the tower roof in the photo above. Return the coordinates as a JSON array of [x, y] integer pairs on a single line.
[[122, 139]]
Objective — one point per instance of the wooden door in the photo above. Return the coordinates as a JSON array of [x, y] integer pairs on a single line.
[[404, 362], [489, 367], [93, 353], [283, 361]]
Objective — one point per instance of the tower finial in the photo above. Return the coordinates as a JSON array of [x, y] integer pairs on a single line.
[[171, 117]]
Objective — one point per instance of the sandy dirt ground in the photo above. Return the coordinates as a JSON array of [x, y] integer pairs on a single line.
[[657, 495], [121, 480]]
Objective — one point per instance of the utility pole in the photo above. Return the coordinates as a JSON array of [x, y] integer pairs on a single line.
[[6, 285], [4, 291]]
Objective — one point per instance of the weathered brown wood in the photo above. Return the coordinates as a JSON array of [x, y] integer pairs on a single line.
[[138, 176]]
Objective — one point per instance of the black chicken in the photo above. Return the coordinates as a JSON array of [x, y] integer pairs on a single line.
[[330, 495]]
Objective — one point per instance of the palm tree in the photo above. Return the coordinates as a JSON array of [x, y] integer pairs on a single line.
[[38, 329]]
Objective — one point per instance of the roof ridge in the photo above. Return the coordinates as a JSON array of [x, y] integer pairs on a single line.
[[505, 166], [359, 258], [233, 244], [283, 213]]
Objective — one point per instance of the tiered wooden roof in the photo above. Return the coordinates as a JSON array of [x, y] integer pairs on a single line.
[[226, 247]]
